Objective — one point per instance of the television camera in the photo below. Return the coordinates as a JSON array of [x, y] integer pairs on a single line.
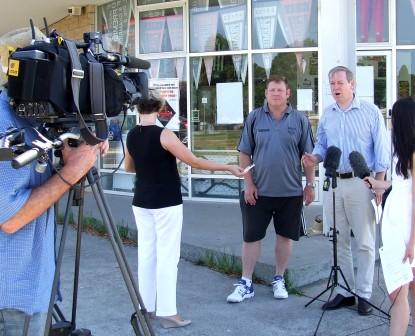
[[53, 85]]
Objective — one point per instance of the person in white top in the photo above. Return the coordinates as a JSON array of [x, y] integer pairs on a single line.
[[399, 211]]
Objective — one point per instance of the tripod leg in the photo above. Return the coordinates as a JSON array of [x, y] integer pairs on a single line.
[[58, 265], [330, 284], [116, 243]]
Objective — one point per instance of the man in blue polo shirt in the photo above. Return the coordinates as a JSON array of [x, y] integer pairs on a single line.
[[27, 260], [274, 138]]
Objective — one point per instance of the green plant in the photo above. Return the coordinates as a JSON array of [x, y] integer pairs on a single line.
[[231, 265], [60, 218], [221, 262], [291, 289]]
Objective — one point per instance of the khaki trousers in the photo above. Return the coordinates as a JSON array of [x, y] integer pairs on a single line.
[[354, 211]]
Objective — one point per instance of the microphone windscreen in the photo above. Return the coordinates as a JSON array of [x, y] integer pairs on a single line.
[[136, 63], [359, 165], [332, 160]]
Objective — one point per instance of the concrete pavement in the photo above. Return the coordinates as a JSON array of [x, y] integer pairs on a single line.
[[105, 307]]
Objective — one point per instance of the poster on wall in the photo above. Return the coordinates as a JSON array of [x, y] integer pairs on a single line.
[[365, 79], [169, 90], [229, 111]]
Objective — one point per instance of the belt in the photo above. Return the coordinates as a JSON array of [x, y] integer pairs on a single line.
[[345, 175]]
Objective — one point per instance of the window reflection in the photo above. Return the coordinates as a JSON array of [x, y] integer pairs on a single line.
[[372, 21], [116, 22], [218, 25], [405, 69], [301, 70], [161, 31], [405, 18], [219, 104], [284, 23]]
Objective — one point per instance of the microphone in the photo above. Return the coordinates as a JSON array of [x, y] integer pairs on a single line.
[[332, 160], [359, 165], [128, 61], [331, 163], [136, 63]]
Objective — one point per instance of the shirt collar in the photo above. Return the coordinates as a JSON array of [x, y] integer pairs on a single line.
[[286, 111], [354, 105]]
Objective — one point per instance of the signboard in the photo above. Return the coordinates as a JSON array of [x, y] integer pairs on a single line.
[[169, 90]]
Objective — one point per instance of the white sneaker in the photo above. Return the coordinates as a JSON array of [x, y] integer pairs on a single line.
[[241, 292], [278, 287]]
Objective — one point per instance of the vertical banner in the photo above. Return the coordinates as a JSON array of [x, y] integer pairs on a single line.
[[294, 20], [175, 28], [244, 68], [169, 90], [204, 27], [179, 68], [155, 68], [208, 60], [114, 19], [151, 34], [234, 22], [267, 59], [301, 62], [266, 24], [196, 67]]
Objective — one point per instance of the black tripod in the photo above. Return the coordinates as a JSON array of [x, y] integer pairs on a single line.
[[333, 281], [62, 327]]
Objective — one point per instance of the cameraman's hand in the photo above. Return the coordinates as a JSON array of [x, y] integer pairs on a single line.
[[104, 147], [79, 160]]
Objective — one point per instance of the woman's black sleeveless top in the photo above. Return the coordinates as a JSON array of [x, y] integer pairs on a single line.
[[157, 182]]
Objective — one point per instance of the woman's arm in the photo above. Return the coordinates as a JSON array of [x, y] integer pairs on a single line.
[[171, 143], [409, 253], [376, 184]]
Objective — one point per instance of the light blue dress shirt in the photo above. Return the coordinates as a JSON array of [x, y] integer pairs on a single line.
[[359, 128], [27, 262]]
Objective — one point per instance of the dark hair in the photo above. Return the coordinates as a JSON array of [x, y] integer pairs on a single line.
[[151, 104], [277, 79], [403, 134]]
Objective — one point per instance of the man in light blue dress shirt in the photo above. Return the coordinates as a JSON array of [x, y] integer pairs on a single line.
[[27, 259], [352, 125]]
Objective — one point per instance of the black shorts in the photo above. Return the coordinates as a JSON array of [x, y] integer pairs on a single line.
[[286, 212]]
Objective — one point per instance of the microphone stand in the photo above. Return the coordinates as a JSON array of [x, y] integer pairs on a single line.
[[333, 280]]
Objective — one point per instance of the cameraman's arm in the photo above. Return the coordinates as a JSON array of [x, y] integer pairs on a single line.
[[77, 163]]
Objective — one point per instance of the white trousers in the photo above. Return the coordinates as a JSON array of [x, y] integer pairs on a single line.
[[159, 235], [354, 212]]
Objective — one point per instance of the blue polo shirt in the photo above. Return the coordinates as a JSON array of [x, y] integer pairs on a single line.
[[27, 262], [276, 148]]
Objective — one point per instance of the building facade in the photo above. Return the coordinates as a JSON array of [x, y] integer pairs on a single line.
[[210, 59]]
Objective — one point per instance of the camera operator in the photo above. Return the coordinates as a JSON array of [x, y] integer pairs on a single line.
[[27, 216]]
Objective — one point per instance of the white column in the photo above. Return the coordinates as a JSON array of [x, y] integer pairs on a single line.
[[337, 41]]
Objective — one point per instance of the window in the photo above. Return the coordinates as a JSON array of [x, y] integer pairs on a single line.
[[284, 24], [161, 30], [218, 25], [405, 18], [372, 21]]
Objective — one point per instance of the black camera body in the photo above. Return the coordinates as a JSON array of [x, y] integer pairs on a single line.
[[41, 75]]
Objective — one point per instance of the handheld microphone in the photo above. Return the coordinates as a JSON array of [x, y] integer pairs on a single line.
[[332, 160], [331, 163], [359, 165]]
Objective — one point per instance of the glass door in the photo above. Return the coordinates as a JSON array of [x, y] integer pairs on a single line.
[[373, 79]]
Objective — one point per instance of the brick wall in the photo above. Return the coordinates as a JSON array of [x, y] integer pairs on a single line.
[[73, 27]]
